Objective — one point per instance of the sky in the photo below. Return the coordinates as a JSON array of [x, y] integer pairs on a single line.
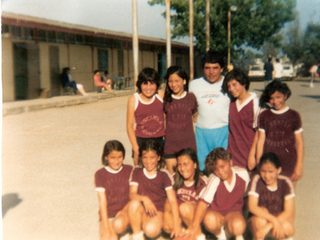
[[117, 14]]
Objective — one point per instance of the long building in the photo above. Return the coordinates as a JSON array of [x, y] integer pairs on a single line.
[[35, 50]]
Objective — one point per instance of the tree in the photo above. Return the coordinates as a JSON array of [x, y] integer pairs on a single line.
[[293, 46], [254, 22]]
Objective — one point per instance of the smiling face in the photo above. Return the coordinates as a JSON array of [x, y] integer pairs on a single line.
[[186, 167], [277, 100], [236, 89], [212, 72], [115, 159], [176, 84], [150, 160], [223, 170], [148, 89], [269, 174]]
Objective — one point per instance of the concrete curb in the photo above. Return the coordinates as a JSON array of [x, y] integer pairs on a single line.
[[17, 107]]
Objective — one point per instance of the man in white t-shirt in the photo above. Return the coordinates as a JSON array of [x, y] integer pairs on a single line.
[[213, 107], [314, 73], [277, 70]]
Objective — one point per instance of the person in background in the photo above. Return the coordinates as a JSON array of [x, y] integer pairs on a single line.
[[106, 79], [67, 81], [98, 82], [278, 69], [268, 68], [314, 73]]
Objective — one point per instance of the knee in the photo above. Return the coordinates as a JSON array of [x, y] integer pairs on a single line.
[[151, 230], [186, 211], [288, 229], [211, 222], [120, 224], [236, 226]]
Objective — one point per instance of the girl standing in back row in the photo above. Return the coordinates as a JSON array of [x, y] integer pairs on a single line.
[[280, 130], [180, 108], [145, 110]]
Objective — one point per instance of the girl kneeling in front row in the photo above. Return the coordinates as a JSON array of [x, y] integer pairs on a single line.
[[150, 186], [271, 200], [112, 186]]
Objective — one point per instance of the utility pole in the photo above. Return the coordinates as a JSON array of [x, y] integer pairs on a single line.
[[168, 33], [135, 41], [191, 38], [207, 25]]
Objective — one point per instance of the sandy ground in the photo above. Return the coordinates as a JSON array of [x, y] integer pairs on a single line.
[[49, 158]]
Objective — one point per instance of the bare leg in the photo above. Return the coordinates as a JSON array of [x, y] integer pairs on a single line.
[[235, 223], [81, 89], [167, 218]]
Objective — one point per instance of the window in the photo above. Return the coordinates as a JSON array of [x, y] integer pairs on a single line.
[[28, 33], [72, 38], [61, 37], [52, 36], [42, 35], [79, 39], [16, 32]]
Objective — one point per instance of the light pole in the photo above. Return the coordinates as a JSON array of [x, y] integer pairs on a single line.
[[232, 8]]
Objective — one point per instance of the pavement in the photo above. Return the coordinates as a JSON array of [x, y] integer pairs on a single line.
[[17, 107]]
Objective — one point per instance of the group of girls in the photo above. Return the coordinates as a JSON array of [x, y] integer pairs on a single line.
[[152, 201]]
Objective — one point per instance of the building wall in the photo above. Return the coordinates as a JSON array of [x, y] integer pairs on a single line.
[[7, 71], [44, 65], [81, 66]]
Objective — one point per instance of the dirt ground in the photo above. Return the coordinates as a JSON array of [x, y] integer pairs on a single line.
[[49, 158]]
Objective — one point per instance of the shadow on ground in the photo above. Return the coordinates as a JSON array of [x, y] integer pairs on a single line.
[[9, 201]]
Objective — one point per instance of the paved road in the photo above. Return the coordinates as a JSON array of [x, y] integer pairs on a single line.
[[49, 158]]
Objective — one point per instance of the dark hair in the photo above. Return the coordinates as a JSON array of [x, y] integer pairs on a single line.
[[179, 180], [95, 71], [65, 70], [271, 158], [112, 145], [238, 75], [148, 75], [277, 59], [269, 59], [106, 72], [182, 74], [151, 145], [271, 88], [212, 158], [213, 57]]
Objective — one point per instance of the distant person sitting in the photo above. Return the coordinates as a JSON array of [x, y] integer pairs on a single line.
[[278, 69], [268, 68], [67, 81], [106, 79], [99, 83]]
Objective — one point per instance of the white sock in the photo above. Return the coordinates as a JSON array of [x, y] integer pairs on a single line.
[[290, 238], [239, 237], [126, 236], [222, 235], [138, 236], [201, 237]]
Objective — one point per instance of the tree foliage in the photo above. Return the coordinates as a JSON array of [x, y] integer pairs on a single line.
[[254, 22]]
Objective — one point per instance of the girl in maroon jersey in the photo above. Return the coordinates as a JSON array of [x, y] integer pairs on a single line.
[[271, 201], [150, 186], [112, 186], [180, 108], [188, 185], [280, 130], [243, 113], [145, 116]]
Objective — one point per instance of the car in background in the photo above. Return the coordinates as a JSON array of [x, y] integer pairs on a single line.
[[288, 72], [256, 72]]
